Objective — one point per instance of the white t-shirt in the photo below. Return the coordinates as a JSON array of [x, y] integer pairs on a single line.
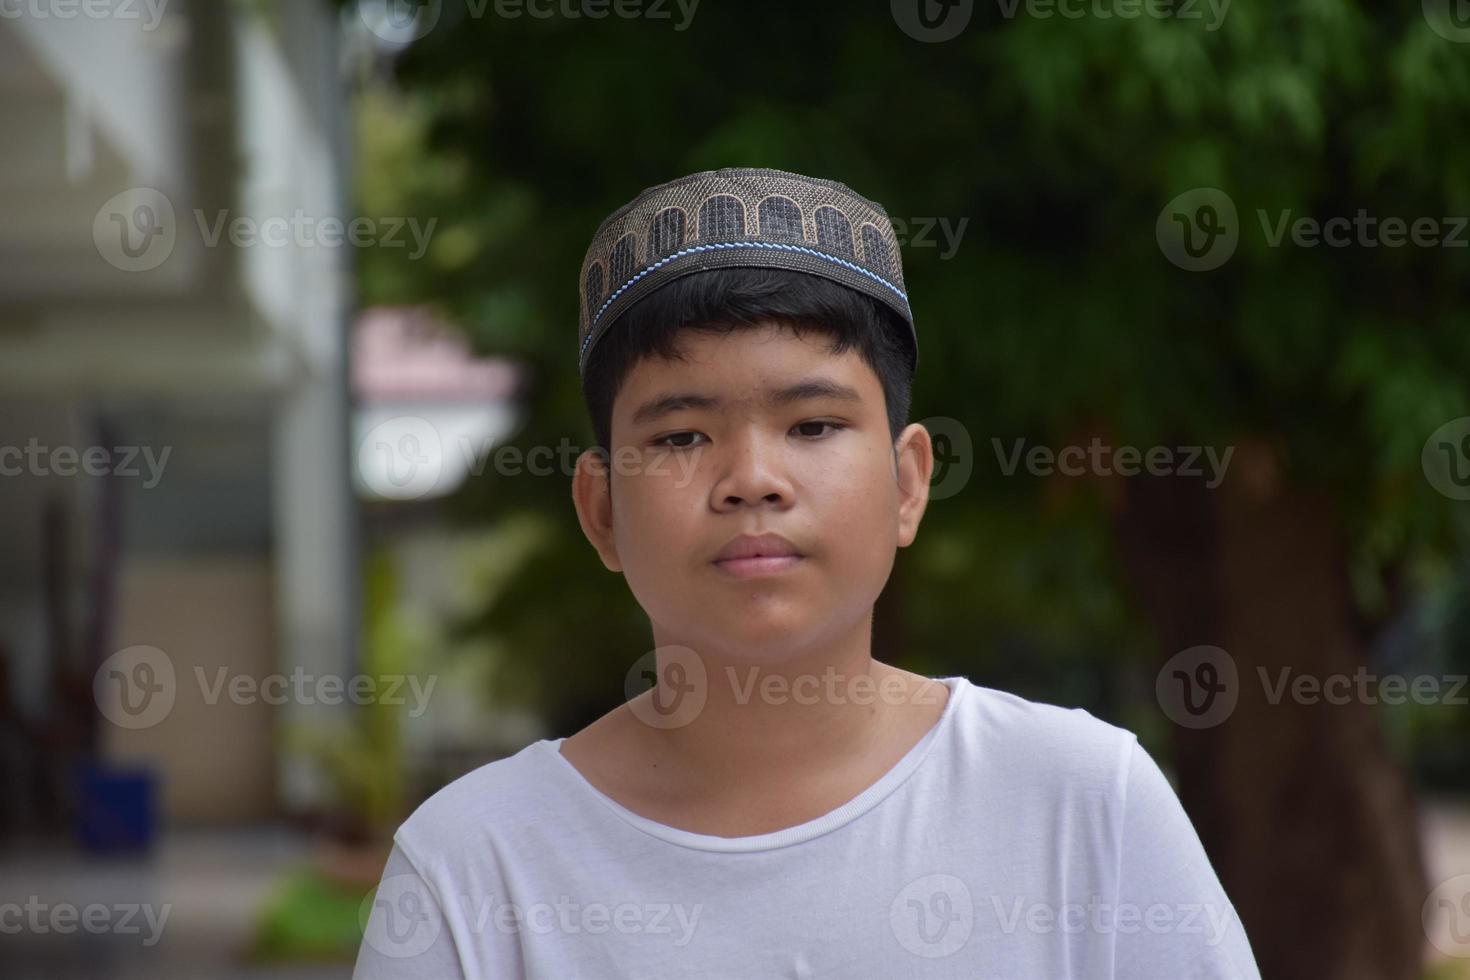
[[1015, 840]]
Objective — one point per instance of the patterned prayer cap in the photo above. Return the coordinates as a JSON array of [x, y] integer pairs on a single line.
[[738, 216]]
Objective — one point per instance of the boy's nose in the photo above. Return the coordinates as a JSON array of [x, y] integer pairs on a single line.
[[753, 472]]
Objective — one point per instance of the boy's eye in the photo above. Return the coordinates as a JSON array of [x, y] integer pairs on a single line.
[[834, 426], [804, 429], [667, 440]]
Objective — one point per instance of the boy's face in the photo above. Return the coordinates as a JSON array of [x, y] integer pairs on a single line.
[[690, 474]]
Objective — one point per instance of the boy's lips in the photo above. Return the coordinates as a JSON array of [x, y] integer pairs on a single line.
[[753, 567], [747, 556], [757, 546]]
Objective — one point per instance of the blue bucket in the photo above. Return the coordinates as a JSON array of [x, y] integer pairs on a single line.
[[116, 808]]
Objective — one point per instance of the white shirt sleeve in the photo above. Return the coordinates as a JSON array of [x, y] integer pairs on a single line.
[[1172, 918], [407, 934]]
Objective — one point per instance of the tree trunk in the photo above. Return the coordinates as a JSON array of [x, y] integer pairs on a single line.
[[1306, 816]]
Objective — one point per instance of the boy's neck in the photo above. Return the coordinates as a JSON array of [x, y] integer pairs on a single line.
[[766, 727]]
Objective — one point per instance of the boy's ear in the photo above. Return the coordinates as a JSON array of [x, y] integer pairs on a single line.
[[592, 496], [914, 462]]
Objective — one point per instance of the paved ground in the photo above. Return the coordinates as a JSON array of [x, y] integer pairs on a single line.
[[213, 883]]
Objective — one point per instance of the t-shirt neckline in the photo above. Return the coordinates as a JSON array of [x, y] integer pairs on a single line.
[[833, 819]]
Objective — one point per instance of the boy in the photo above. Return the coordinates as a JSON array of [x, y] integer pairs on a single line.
[[779, 803]]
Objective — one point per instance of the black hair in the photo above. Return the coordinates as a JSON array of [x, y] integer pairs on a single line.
[[722, 300]]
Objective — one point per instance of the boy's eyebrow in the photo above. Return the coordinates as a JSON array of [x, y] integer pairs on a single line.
[[804, 390]]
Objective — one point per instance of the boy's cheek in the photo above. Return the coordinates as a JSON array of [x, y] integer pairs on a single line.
[[661, 466]]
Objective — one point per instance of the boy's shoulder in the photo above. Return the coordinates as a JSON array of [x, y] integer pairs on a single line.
[[506, 791], [1043, 741]]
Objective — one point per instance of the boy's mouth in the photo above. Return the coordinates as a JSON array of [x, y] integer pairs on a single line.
[[750, 555], [760, 565]]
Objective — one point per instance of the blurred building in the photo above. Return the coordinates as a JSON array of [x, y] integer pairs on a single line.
[[427, 409], [173, 311]]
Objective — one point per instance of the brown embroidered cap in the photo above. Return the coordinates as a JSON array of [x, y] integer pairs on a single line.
[[738, 216]]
